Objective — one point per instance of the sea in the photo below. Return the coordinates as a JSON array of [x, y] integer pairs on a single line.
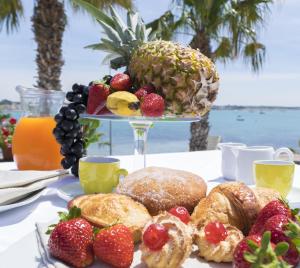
[[278, 127]]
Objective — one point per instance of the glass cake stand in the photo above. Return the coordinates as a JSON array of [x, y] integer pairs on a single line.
[[140, 126]]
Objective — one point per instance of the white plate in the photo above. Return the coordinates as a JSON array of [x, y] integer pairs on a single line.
[[69, 191], [29, 256], [23, 202]]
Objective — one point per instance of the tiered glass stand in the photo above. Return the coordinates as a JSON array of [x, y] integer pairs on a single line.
[[140, 126]]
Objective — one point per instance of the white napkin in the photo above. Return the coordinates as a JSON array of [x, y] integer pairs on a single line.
[[15, 185], [16, 178]]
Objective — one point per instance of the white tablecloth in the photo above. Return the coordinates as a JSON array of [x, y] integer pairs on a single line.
[[19, 222]]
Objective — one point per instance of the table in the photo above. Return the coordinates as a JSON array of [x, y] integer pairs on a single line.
[[19, 222]]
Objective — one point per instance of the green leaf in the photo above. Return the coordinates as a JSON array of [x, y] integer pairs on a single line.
[[296, 242], [250, 257], [110, 32], [295, 211], [252, 245], [265, 242], [120, 26], [96, 13], [96, 230], [50, 229], [281, 248]]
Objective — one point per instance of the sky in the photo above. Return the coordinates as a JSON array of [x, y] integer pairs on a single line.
[[278, 84]]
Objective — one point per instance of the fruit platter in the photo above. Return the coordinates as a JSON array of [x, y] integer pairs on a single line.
[[202, 225], [162, 81]]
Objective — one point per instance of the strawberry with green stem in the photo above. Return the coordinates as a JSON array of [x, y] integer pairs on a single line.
[[71, 240], [256, 252]]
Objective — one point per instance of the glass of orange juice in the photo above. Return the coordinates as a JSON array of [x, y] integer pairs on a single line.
[[33, 144]]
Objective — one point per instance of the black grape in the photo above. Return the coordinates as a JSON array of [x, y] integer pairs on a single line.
[[67, 125], [71, 114]]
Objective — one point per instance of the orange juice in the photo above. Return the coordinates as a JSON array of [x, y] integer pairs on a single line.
[[34, 146]]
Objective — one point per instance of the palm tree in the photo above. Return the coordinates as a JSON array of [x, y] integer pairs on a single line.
[[48, 25], [223, 30]]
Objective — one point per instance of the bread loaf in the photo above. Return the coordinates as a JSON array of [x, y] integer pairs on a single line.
[[160, 189]]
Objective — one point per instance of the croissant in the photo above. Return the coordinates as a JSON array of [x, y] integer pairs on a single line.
[[233, 203]]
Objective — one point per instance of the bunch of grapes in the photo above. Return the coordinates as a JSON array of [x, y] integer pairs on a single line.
[[68, 131]]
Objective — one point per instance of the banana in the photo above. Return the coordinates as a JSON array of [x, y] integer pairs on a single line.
[[123, 103]]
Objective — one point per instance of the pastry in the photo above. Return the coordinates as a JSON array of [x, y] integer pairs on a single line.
[[108, 209], [177, 247], [160, 189], [221, 251], [232, 203]]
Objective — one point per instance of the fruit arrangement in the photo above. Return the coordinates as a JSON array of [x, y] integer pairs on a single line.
[[186, 80]]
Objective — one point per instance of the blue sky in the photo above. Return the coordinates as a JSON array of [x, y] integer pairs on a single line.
[[277, 84]]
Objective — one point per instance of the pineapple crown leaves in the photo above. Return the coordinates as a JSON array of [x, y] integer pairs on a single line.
[[264, 256], [74, 212], [122, 38]]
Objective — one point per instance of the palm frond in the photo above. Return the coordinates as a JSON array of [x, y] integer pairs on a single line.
[[105, 4], [10, 13], [255, 54], [223, 51]]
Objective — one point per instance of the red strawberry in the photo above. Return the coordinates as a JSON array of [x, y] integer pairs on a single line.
[[120, 82], [278, 225], [98, 94], [114, 245], [72, 242], [143, 91], [149, 88], [241, 248], [257, 251], [153, 105], [273, 208]]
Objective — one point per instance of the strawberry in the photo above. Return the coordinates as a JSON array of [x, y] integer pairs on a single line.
[[153, 105], [281, 227], [257, 251], [98, 94], [273, 208], [114, 245], [241, 248], [120, 82], [149, 88], [143, 91], [71, 240]]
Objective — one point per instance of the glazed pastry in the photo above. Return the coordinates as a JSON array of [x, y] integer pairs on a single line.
[[108, 209], [160, 189], [177, 248], [232, 203], [222, 251]]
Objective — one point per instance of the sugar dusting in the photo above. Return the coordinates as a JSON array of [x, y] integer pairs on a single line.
[[160, 185]]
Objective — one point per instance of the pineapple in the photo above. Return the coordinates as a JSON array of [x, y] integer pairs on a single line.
[[186, 78]]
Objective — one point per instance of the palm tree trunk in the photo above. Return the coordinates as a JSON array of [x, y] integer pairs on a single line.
[[200, 130], [48, 25]]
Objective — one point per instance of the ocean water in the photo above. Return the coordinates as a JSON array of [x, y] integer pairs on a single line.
[[275, 127]]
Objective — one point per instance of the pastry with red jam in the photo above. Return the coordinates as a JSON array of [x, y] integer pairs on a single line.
[[167, 241], [217, 241]]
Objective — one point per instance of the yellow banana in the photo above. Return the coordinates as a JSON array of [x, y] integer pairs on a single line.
[[122, 103]]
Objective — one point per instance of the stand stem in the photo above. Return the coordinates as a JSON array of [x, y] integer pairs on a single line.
[[140, 131]]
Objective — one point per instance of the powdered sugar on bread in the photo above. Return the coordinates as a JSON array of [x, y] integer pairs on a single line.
[[163, 188]]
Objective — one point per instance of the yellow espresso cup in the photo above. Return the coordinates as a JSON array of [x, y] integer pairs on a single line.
[[99, 174], [275, 174]]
